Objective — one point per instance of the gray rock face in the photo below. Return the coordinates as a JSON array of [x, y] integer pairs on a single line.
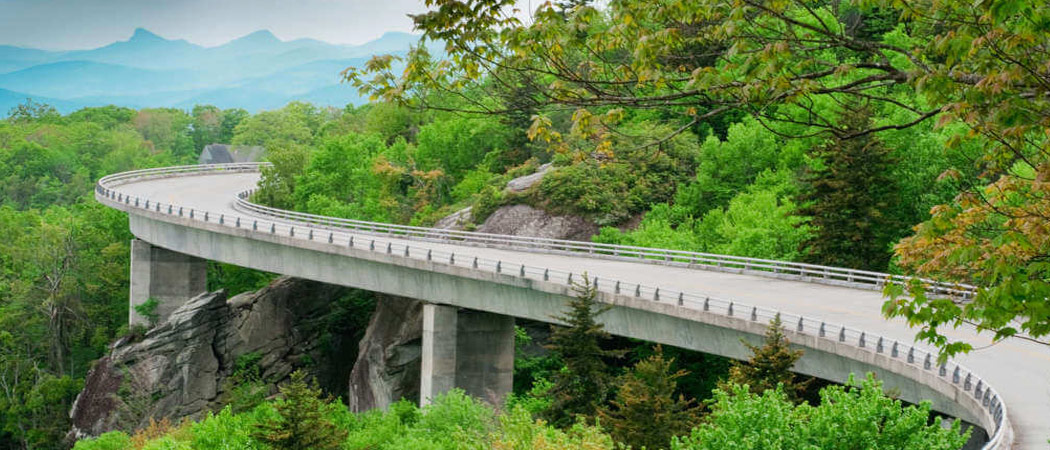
[[523, 183], [524, 220], [457, 220], [179, 367], [389, 356]]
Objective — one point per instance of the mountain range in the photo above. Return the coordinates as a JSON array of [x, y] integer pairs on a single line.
[[255, 72]]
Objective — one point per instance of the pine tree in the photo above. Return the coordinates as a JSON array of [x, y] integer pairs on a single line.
[[850, 195], [301, 423], [769, 365], [645, 412], [586, 380]]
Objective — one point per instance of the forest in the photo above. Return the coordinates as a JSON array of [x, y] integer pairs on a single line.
[[907, 138]]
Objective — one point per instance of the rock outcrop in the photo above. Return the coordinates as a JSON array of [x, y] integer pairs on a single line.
[[179, 367], [389, 356], [524, 220]]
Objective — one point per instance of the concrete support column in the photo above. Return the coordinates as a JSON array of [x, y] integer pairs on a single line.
[[485, 355], [438, 367], [169, 277], [470, 350]]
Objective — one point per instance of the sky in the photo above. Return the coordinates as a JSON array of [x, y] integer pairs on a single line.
[[83, 24]]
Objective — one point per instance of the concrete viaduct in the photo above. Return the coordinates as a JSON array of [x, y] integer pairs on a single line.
[[474, 285]]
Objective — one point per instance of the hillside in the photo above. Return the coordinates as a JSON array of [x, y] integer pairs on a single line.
[[255, 72]]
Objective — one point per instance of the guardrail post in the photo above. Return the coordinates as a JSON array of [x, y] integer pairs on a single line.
[[475, 263], [894, 352], [350, 242], [238, 222], [291, 231], [389, 248], [637, 290], [730, 309], [180, 211], [800, 324], [617, 288], [546, 274], [522, 271], [205, 216], [331, 237], [222, 218], [927, 364], [842, 334], [406, 251], [570, 278], [310, 234], [191, 213], [754, 313], [967, 384], [273, 228], [911, 355], [429, 255], [822, 332], [452, 259], [861, 343], [977, 389], [955, 375], [372, 246], [878, 346], [157, 206], [147, 204], [681, 298], [707, 303], [943, 370]]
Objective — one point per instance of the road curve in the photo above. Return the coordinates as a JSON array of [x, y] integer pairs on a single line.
[[1017, 369]]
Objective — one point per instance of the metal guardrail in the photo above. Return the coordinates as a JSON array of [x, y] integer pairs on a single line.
[[289, 224]]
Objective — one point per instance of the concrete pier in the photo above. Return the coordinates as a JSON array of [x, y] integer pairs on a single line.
[[170, 277], [470, 350]]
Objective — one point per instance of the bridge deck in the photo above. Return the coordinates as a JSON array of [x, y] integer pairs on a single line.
[[1018, 369]]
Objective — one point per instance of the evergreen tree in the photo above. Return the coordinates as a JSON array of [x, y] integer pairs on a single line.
[[645, 412], [770, 365], [583, 385], [301, 422], [850, 195]]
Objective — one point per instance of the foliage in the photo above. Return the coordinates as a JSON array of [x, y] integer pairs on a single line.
[[453, 421], [585, 382], [300, 422], [980, 66], [148, 310], [848, 417], [849, 194], [769, 367], [645, 413]]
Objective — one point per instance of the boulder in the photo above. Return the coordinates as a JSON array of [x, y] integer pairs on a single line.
[[524, 220], [523, 183]]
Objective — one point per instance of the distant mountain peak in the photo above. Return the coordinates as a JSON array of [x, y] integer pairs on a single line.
[[261, 36], [143, 35]]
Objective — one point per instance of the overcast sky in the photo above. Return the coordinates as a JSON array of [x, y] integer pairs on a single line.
[[82, 24]]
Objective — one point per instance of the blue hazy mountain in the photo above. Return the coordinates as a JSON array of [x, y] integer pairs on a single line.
[[256, 71]]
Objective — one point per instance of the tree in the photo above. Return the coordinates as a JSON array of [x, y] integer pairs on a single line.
[[583, 385], [979, 65], [645, 412], [848, 417], [848, 195], [301, 421], [770, 366]]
